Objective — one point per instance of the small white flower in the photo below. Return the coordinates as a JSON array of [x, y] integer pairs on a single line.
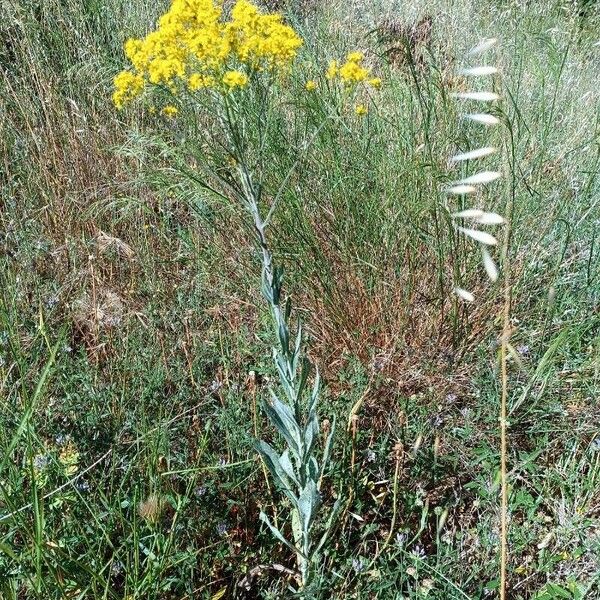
[[461, 189]]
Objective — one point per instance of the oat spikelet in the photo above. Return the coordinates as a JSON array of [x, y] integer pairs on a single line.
[[472, 154], [482, 118], [482, 46]]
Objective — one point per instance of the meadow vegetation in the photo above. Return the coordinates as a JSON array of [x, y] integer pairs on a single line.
[[136, 329]]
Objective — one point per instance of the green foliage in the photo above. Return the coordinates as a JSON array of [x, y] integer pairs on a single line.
[[158, 402]]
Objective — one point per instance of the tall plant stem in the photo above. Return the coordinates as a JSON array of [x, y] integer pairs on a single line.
[[503, 438], [506, 331]]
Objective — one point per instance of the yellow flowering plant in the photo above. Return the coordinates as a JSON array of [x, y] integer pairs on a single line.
[[230, 63], [195, 48], [354, 76]]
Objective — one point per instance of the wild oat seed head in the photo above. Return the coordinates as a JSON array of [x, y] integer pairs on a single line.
[[478, 96], [472, 154], [459, 190], [478, 71], [479, 236], [482, 118], [489, 264], [469, 213], [480, 178], [464, 294], [490, 218], [483, 46], [150, 508]]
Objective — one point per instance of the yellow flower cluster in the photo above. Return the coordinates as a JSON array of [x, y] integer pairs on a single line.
[[352, 71], [361, 110], [194, 47]]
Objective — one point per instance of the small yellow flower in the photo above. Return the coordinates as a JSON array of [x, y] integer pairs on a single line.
[[311, 85], [128, 86], [375, 82], [352, 72], [233, 79], [332, 70], [361, 110], [170, 111], [194, 42], [355, 57], [197, 81]]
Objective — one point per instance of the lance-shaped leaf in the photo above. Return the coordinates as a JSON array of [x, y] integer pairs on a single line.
[[308, 502], [286, 464], [272, 460], [482, 118], [478, 71], [314, 396], [479, 236], [311, 432], [478, 96], [313, 469], [297, 350], [335, 511], [480, 178], [282, 417], [263, 517], [464, 294], [284, 376], [489, 265], [284, 336], [305, 368], [483, 46], [327, 450], [472, 154]]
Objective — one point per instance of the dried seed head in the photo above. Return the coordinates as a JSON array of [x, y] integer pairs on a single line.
[[472, 154], [443, 519], [467, 296], [479, 96], [483, 118], [459, 190], [354, 425], [479, 236], [398, 450], [478, 71], [469, 213], [150, 508], [490, 218], [482, 46], [479, 178], [417, 443], [489, 265]]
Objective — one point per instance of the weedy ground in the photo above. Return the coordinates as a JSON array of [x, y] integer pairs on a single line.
[[134, 344]]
